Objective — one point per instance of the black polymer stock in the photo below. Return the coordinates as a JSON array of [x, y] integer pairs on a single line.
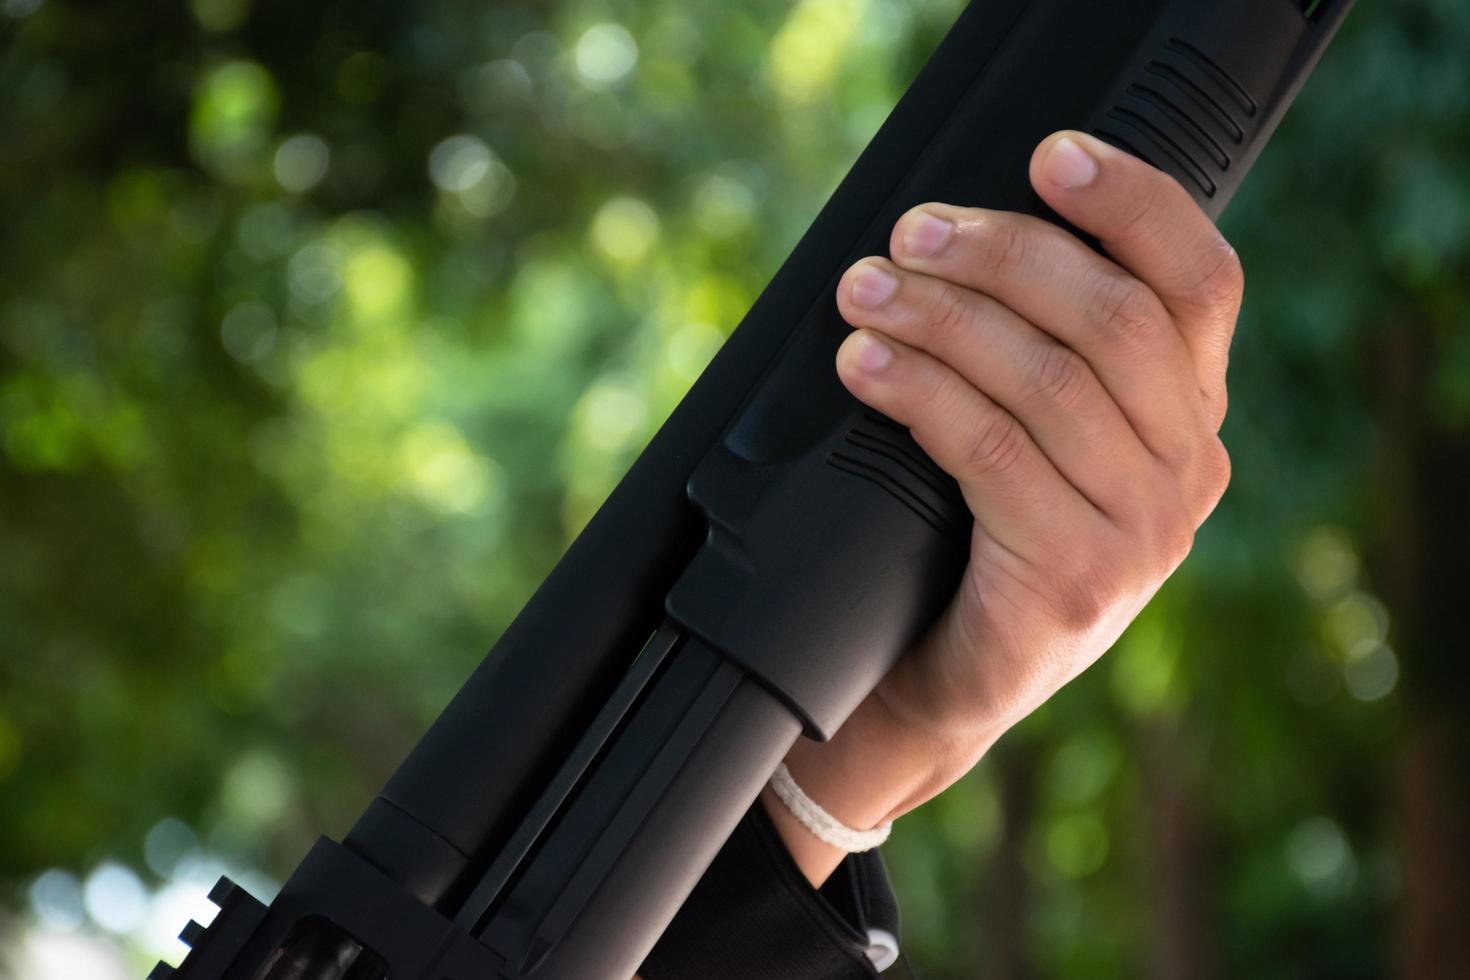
[[764, 561]]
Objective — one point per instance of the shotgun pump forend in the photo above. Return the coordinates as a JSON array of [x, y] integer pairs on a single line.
[[721, 602]]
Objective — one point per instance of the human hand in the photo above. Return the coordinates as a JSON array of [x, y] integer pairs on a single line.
[[1077, 400]]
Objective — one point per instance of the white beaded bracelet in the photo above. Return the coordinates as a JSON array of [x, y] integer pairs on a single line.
[[822, 824]]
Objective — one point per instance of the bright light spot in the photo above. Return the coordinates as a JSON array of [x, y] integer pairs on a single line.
[[715, 299], [1326, 563], [1076, 845], [445, 472], [166, 844], [807, 50], [56, 900], [723, 205], [1355, 618], [690, 348], [173, 906], [1145, 664], [624, 230], [248, 332], [606, 53], [1318, 854], [301, 162], [115, 898], [1082, 767], [491, 194], [550, 306], [313, 275], [256, 790], [459, 163], [465, 167], [610, 416], [200, 870], [261, 886], [357, 385], [377, 280], [234, 108], [65, 956], [1371, 670]]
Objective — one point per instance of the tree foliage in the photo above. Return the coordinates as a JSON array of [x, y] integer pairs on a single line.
[[323, 328]]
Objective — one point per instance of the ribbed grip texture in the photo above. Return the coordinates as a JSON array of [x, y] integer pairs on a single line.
[[1184, 114], [883, 453]]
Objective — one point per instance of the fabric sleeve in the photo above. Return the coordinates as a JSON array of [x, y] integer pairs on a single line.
[[754, 914]]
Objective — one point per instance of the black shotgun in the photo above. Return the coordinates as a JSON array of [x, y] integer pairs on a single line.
[[554, 818]]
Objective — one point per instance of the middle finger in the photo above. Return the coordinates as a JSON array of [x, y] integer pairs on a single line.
[[1092, 305]]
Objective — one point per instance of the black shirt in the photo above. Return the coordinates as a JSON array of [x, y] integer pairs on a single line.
[[754, 914]]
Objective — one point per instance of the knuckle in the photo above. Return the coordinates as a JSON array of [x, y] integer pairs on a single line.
[[1222, 282], [932, 396], [997, 444], [1137, 221], [1167, 540], [1215, 469], [1127, 312], [1081, 596], [949, 312], [1179, 544], [1176, 539], [940, 399], [1175, 544], [1001, 243], [1058, 375]]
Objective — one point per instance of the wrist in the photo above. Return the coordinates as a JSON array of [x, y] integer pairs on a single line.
[[874, 769]]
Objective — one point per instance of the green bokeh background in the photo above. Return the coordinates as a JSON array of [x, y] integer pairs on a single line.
[[324, 327]]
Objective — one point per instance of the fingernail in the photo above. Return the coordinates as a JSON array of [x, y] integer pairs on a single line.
[[872, 286], [871, 354], [924, 234], [1068, 165]]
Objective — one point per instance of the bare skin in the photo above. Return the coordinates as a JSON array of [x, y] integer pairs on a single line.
[[1077, 399]]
